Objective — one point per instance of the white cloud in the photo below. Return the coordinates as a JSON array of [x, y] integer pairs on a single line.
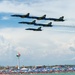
[[42, 6], [43, 45], [7, 52], [73, 59], [5, 18]]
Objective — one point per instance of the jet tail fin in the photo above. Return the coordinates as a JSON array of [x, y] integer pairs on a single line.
[[34, 21], [50, 23], [28, 14], [39, 28], [44, 16], [62, 17]]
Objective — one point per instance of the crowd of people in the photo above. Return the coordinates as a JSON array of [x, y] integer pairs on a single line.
[[39, 69]]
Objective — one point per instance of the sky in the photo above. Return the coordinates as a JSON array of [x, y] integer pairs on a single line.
[[51, 46]]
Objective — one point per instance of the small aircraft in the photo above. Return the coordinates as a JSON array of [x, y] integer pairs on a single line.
[[38, 29], [56, 19], [38, 18], [33, 22], [22, 16], [44, 25]]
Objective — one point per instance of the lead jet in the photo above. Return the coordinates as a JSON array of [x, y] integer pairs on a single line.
[[56, 19], [38, 18], [22, 16], [33, 22], [38, 29], [44, 25]]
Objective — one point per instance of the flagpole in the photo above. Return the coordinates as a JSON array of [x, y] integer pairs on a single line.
[[18, 56]]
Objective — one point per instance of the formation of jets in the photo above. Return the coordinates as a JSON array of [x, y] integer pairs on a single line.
[[60, 19], [39, 18], [37, 24]]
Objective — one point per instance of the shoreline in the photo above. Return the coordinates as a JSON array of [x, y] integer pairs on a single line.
[[17, 73]]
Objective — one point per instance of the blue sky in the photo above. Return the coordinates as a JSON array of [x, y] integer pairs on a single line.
[[52, 46]]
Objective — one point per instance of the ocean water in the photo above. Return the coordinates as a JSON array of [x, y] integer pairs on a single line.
[[67, 73]]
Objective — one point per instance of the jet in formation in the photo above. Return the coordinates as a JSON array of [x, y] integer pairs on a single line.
[[38, 29], [22, 16], [39, 18], [44, 25], [56, 19], [33, 22], [37, 24]]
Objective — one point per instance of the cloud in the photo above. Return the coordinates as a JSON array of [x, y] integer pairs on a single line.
[[5, 18], [45, 46], [40, 6], [73, 59], [7, 52]]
